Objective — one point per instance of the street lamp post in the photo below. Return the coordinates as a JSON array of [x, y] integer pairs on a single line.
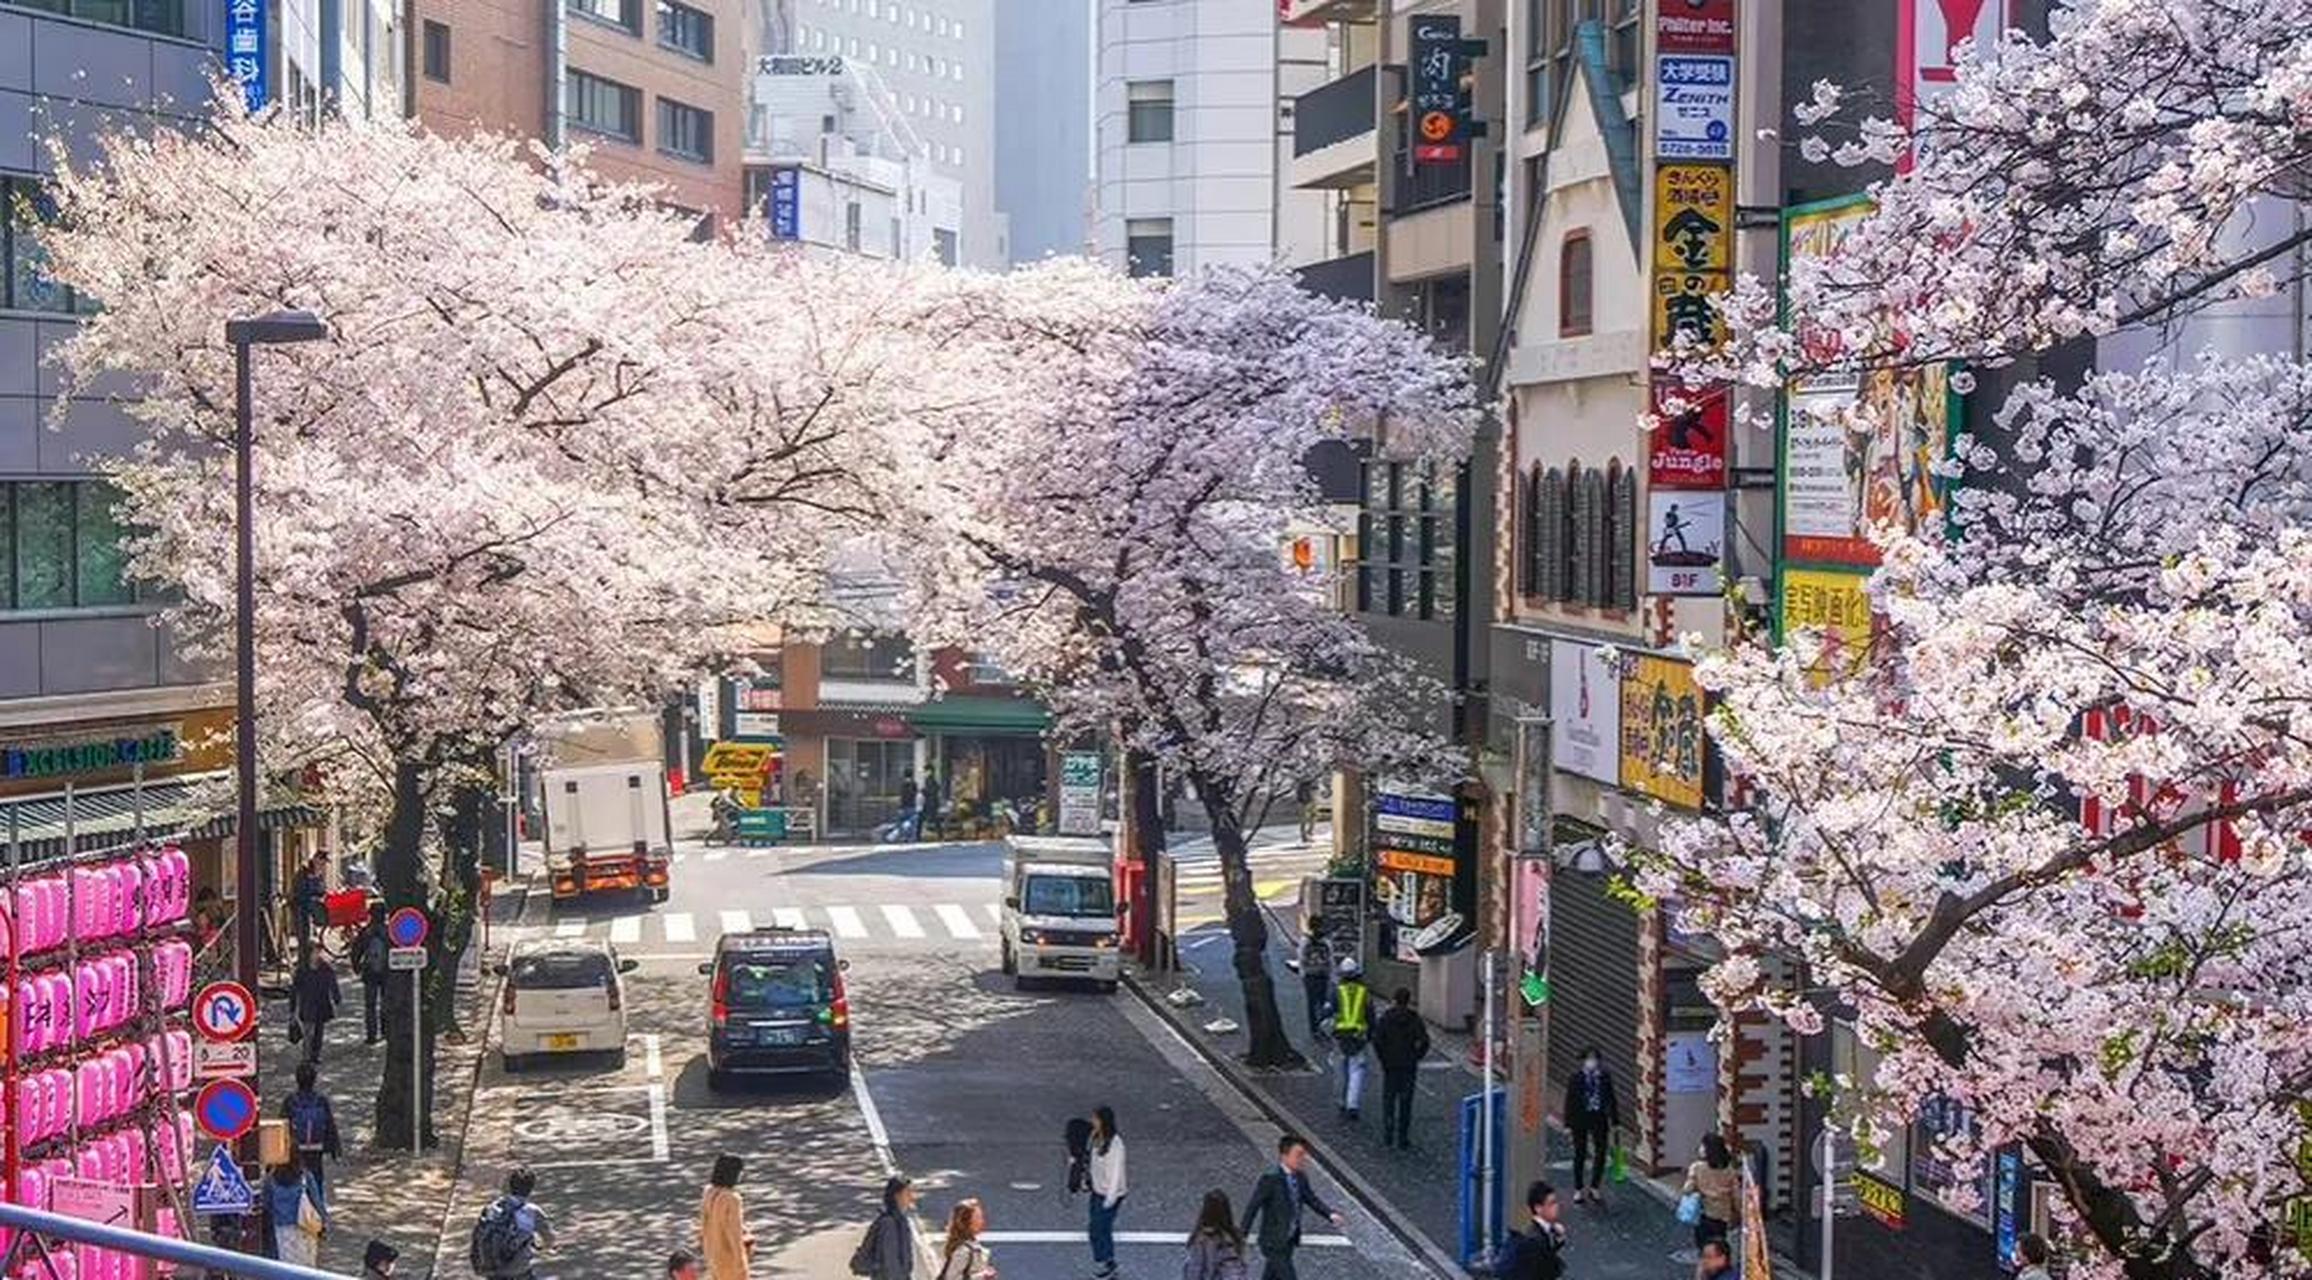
[[272, 329]]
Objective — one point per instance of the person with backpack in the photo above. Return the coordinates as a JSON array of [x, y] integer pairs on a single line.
[[1400, 1041], [1352, 1026], [312, 1126], [722, 1223], [510, 1232], [1108, 1191], [371, 954], [1316, 971], [887, 1251], [1216, 1246], [963, 1257]]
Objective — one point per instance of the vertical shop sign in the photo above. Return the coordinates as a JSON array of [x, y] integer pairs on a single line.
[[1663, 738], [1415, 861], [1694, 26], [1079, 793], [245, 51], [1685, 542], [1438, 127], [786, 212], [1687, 447], [1693, 107]]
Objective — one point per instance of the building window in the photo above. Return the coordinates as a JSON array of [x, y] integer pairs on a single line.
[[943, 246], [1405, 543], [166, 17], [603, 106], [24, 207], [1148, 111], [1573, 285], [685, 131], [61, 544], [851, 226], [868, 655], [437, 52], [1148, 246], [686, 30], [623, 14]]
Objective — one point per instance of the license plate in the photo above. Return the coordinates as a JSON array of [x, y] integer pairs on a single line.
[[565, 1041], [779, 1035]]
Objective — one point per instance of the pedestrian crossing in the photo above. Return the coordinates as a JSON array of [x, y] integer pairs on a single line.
[[922, 923]]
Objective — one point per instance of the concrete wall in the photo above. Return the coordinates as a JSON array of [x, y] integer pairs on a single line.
[[1043, 154]]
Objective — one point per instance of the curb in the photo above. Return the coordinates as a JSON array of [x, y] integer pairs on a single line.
[[1241, 1079], [490, 995]]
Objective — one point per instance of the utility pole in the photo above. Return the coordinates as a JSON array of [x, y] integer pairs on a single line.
[[1532, 845]]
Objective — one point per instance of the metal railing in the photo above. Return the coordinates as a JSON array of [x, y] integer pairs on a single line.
[[1333, 112], [1349, 278], [32, 1253]]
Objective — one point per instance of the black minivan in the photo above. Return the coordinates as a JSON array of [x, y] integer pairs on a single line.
[[777, 1005]]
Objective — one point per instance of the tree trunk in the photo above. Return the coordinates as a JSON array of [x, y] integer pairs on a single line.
[[401, 877], [1266, 1044]]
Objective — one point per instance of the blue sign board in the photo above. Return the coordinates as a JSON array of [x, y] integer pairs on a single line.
[[407, 927], [245, 50], [223, 1188], [1475, 1247], [786, 212], [2007, 1204]]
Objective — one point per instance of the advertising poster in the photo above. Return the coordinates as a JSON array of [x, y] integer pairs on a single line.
[[1414, 863], [1687, 447], [1685, 541], [1694, 107], [1832, 605], [1694, 26], [1585, 706], [1928, 34], [1663, 735]]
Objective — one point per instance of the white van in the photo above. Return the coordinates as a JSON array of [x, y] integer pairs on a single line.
[[1059, 910]]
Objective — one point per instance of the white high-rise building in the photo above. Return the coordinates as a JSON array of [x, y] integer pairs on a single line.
[[937, 58], [1194, 135]]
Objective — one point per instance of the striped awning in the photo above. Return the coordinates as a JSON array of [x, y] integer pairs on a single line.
[[48, 826]]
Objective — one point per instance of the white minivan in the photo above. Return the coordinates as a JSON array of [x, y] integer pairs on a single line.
[[563, 995]]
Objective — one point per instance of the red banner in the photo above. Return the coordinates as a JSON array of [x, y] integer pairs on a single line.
[[1694, 26], [1687, 449]]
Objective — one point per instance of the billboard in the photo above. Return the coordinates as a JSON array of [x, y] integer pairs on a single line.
[[1694, 26], [1585, 709], [1685, 542], [1663, 737]]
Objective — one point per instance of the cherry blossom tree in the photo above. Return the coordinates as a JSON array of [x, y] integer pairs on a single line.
[[1113, 526], [549, 446], [2045, 845]]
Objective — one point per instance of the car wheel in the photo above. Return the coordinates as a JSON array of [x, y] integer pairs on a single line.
[[1011, 966]]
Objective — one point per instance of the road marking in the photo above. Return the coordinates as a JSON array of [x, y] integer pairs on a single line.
[[903, 922], [676, 859], [877, 1135], [847, 922], [958, 922], [994, 913], [1131, 1237], [653, 1063], [626, 929], [789, 918], [758, 853], [571, 929], [718, 855], [737, 922], [679, 927]]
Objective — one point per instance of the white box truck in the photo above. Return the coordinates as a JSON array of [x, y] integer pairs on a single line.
[[1059, 910], [607, 827]]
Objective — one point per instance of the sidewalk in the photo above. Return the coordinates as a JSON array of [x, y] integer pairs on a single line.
[[395, 1196], [1633, 1236]]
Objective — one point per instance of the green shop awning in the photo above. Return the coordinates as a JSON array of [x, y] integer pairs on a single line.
[[979, 713]]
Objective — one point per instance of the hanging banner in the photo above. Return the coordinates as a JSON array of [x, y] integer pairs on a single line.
[[1687, 447], [1435, 100], [1663, 738], [1693, 217], [1685, 543]]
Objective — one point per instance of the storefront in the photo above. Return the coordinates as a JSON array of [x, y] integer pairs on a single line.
[[989, 752]]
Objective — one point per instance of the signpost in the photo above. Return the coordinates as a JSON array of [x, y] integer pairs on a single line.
[[406, 930], [1079, 793], [213, 1061], [226, 1109], [224, 1012], [222, 1188]]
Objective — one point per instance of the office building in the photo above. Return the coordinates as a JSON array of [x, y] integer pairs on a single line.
[[1043, 153], [831, 162]]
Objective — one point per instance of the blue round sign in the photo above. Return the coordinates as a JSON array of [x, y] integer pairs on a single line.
[[226, 1109], [407, 927]]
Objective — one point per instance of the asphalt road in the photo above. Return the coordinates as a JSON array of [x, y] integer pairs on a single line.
[[962, 1083]]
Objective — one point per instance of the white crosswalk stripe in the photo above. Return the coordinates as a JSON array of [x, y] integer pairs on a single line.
[[957, 920], [571, 929], [626, 929], [789, 918], [847, 922], [717, 855], [737, 922], [994, 914], [679, 927], [902, 921]]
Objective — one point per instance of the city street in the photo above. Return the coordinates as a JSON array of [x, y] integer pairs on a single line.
[[962, 1083]]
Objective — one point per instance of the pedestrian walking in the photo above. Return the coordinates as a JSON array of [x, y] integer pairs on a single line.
[[1716, 1262], [933, 794], [1352, 1026], [1108, 1190], [372, 956], [312, 1125], [377, 1259], [1304, 799], [1400, 1041], [887, 1251], [1592, 1112], [910, 816], [2031, 1257], [1537, 1253], [297, 1214], [963, 1257], [682, 1264], [313, 999], [511, 1231], [722, 1222], [309, 900], [1712, 1185], [1216, 1246], [1278, 1200], [1316, 970]]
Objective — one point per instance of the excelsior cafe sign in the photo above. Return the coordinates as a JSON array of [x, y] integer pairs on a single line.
[[38, 760]]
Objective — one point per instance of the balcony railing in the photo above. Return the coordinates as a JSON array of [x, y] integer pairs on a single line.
[[1333, 113], [1349, 279], [1425, 186]]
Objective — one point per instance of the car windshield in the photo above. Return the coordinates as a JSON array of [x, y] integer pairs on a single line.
[[561, 971], [1070, 896], [775, 982]]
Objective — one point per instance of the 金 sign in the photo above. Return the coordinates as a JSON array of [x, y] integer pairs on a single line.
[[1694, 26], [1687, 447], [1693, 217], [1663, 738], [1685, 303], [1881, 1200]]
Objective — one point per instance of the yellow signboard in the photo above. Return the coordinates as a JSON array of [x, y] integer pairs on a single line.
[[737, 758], [1834, 606], [1686, 302], [1693, 218], [1662, 733], [1881, 1200]]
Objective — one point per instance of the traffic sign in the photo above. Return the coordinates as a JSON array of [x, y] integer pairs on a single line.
[[402, 959], [407, 927], [224, 1011], [223, 1188], [212, 1061], [226, 1109]]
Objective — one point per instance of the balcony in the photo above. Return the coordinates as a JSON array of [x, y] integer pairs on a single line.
[[1332, 134], [1349, 279], [1426, 186]]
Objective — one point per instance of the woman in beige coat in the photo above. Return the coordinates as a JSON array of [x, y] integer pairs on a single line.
[[722, 1223]]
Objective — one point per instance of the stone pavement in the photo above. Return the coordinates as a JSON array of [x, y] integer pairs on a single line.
[[1634, 1235], [395, 1196]]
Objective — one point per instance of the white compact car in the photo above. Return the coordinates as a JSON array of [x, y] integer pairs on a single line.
[[563, 996]]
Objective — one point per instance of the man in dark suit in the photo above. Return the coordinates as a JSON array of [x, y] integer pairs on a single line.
[[1276, 1204]]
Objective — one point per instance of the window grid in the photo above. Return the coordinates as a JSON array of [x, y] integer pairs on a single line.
[[685, 131], [60, 546], [604, 106], [686, 30]]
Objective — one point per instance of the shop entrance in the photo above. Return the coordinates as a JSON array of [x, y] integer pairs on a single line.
[[863, 776]]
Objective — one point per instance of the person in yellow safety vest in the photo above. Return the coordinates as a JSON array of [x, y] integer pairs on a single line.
[[1352, 1027]]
